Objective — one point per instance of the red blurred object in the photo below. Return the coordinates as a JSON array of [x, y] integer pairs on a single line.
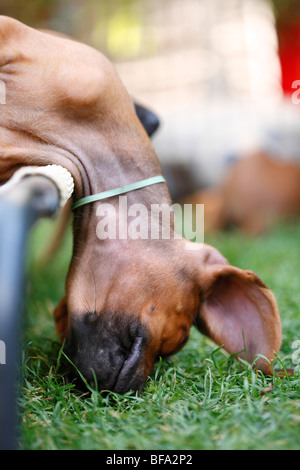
[[289, 54]]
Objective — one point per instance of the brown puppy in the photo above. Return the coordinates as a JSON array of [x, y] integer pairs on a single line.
[[259, 191], [127, 301]]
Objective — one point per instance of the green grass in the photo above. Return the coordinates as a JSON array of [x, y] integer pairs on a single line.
[[199, 399]]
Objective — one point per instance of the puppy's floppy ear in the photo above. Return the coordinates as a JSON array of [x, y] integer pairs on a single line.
[[61, 319], [238, 311], [149, 120]]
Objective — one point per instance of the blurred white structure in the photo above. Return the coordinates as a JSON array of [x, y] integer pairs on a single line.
[[216, 84], [208, 47]]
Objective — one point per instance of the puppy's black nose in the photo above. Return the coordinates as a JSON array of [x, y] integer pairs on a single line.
[[128, 378], [107, 349]]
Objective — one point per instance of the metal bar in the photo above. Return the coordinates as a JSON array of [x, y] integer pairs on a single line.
[[32, 198]]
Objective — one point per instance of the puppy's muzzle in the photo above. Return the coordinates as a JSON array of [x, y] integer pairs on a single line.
[[106, 353]]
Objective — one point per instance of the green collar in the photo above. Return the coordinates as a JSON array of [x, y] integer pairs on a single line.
[[118, 191]]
